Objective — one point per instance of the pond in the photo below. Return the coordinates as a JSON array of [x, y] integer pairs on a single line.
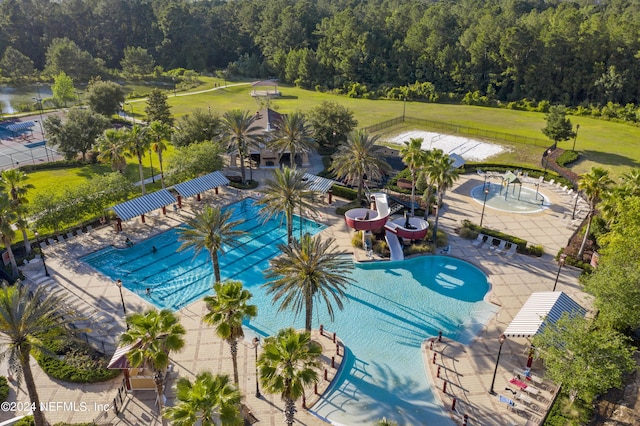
[[11, 97]]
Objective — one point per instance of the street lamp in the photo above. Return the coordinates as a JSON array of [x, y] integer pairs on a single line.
[[501, 339], [575, 137], [46, 271], [256, 343], [560, 265], [153, 178], [124, 308], [39, 101], [404, 107], [486, 192], [547, 153]]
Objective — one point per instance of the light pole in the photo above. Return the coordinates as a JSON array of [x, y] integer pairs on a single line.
[[404, 108], [44, 139], [46, 271], [486, 192], [256, 343], [575, 137], [124, 308], [560, 265], [501, 339], [547, 153], [153, 178]]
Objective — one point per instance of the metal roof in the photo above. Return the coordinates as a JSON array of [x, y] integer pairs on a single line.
[[201, 184], [458, 161], [317, 183], [145, 204], [119, 359], [20, 126], [539, 307]]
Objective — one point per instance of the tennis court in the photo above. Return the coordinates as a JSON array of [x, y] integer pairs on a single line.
[[22, 142]]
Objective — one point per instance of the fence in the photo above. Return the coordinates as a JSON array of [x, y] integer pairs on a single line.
[[459, 129]]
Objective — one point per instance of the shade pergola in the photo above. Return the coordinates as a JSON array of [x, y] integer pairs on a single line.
[[201, 184], [144, 204], [317, 183], [542, 306], [20, 126]]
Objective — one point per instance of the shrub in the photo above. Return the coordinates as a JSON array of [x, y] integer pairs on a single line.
[[250, 184], [342, 209], [356, 240], [536, 250], [25, 421], [468, 233], [74, 361], [381, 247], [522, 244], [567, 157], [344, 192], [4, 389], [421, 247]]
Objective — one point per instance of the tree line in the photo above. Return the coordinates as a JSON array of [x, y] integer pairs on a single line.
[[569, 52]]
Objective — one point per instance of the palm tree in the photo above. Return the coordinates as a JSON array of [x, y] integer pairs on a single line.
[[14, 183], [206, 399], [308, 269], [414, 157], [211, 229], [631, 182], [25, 318], [443, 175], [240, 133], [425, 175], [287, 364], [228, 308], [137, 145], [7, 218], [294, 135], [112, 148], [283, 194], [594, 184], [360, 158], [153, 334], [160, 133]]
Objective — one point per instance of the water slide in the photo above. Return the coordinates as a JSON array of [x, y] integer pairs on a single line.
[[394, 245]]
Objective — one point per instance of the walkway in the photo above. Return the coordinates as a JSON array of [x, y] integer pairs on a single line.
[[512, 280]]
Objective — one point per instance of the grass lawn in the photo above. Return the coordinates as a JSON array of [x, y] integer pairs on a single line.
[[614, 146]]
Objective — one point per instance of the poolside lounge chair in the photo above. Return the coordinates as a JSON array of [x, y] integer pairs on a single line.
[[507, 401], [500, 247], [479, 240], [43, 245], [79, 232], [51, 241], [69, 235], [528, 401], [89, 228], [551, 182], [61, 239], [511, 250]]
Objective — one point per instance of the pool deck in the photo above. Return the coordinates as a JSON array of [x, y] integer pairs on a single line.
[[468, 369]]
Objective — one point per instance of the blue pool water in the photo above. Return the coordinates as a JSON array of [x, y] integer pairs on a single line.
[[390, 309]]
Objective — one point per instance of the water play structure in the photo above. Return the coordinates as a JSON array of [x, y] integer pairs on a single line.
[[377, 219]]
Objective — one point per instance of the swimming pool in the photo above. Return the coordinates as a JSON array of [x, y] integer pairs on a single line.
[[517, 199], [389, 310], [176, 279]]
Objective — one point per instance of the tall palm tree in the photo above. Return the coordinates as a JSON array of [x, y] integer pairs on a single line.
[[594, 184], [112, 149], [414, 157], [138, 143], [160, 134], [283, 194], [154, 335], [212, 230], [228, 308], [7, 218], [292, 135], [359, 158], [288, 363], [240, 133], [443, 175], [204, 401], [308, 269], [425, 175], [25, 317], [14, 183], [631, 182]]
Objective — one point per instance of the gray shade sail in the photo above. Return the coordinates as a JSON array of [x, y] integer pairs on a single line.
[[201, 184], [457, 161], [20, 126], [317, 183], [547, 305], [145, 204]]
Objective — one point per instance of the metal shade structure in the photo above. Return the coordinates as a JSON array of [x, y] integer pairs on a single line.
[[201, 184], [317, 183], [145, 204], [119, 359], [458, 161], [548, 305], [20, 126]]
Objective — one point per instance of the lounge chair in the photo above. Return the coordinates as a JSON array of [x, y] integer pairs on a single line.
[[528, 401], [551, 182], [446, 250], [89, 228], [69, 235], [507, 401], [51, 241], [500, 247], [43, 245], [79, 232], [479, 240], [511, 250], [61, 239]]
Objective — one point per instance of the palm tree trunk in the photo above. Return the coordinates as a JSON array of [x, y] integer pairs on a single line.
[[161, 170], [308, 312], [12, 257], [158, 378], [144, 191], [25, 358], [289, 215], [289, 411], [233, 348], [413, 192], [216, 265], [241, 155], [27, 243], [426, 211], [360, 188], [583, 246]]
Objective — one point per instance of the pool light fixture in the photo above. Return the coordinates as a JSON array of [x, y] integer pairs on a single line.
[[486, 192], [501, 339], [256, 343], [561, 261]]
